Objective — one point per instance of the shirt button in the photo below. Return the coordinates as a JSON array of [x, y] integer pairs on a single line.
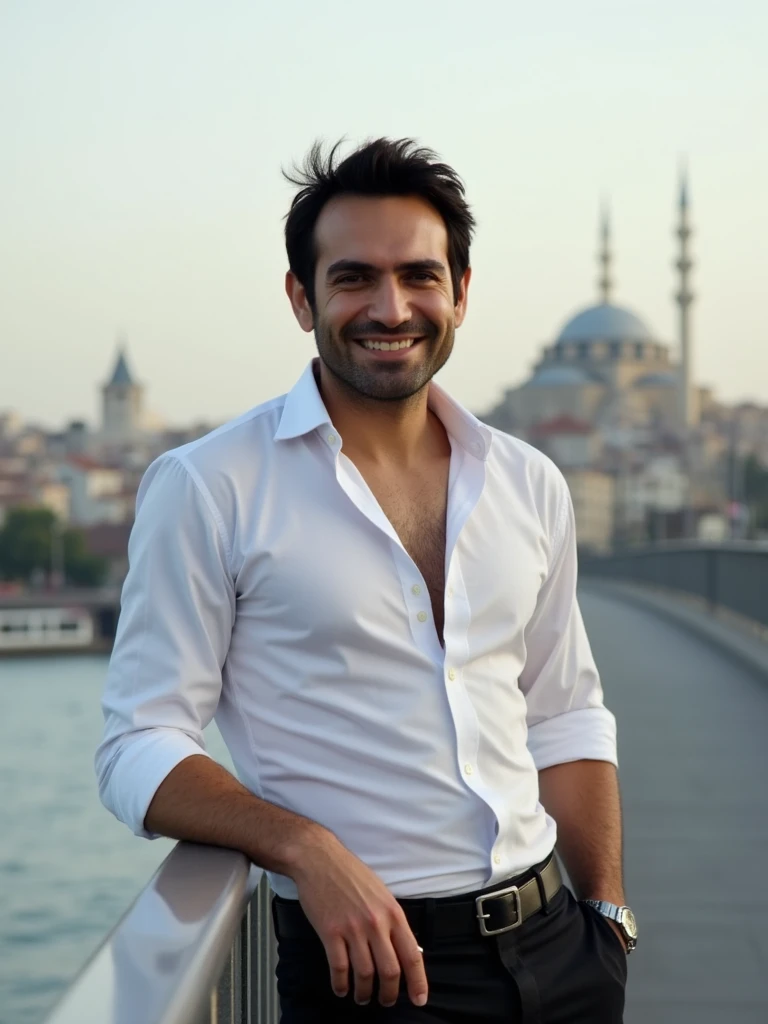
[[451, 674], [416, 589], [496, 859], [468, 769], [475, 447], [331, 439], [422, 616], [450, 591]]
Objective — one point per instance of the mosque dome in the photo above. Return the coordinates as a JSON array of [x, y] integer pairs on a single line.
[[559, 377], [604, 322]]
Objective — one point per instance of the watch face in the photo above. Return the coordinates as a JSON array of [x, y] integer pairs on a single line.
[[628, 923]]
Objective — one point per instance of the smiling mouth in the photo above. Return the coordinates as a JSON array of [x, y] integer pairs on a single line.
[[396, 345]]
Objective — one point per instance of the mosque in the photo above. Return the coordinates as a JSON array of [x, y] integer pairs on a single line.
[[606, 372]]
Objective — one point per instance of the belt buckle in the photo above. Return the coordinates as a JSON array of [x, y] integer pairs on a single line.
[[482, 916]]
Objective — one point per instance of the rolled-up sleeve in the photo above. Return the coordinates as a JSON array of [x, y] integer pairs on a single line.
[[177, 611], [566, 717]]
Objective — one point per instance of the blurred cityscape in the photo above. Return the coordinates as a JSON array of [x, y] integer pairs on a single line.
[[67, 498], [648, 454]]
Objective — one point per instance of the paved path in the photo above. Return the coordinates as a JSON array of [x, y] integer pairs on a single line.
[[693, 749]]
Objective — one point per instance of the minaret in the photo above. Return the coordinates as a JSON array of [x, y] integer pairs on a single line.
[[684, 298], [605, 257]]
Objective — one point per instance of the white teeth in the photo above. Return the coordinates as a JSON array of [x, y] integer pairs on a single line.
[[387, 346]]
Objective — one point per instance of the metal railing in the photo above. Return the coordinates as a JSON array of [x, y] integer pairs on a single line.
[[733, 577], [196, 947]]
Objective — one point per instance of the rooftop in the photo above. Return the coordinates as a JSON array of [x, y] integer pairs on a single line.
[[564, 424], [121, 373]]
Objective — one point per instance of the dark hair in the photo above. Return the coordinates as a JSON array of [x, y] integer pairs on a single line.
[[381, 167]]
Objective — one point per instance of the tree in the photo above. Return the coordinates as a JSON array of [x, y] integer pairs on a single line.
[[26, 548], [25, 542], [81, 568]]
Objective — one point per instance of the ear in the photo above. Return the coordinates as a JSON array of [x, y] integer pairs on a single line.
[[297, 295], [461, 301]]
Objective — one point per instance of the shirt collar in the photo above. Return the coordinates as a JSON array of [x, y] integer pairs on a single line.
[[305, 411], [474, 436]]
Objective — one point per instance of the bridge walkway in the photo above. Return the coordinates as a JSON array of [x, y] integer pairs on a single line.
[[693, 749]]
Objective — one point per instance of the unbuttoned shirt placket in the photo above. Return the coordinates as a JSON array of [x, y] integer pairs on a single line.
[[451, 660], [465, 490]]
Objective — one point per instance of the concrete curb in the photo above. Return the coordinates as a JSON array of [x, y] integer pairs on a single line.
[[737, 640]]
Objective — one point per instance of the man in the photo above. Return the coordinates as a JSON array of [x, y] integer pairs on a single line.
[[374, 594]]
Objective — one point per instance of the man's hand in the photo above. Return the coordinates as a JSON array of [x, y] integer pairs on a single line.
[[360, 923]]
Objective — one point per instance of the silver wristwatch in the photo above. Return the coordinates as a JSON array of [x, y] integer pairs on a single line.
[[623, 917]]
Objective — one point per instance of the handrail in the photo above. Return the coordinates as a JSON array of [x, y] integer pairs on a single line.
[[728, 577], [162, 963]]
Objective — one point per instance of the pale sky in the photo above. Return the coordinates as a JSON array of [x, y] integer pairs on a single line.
[[140, 186]]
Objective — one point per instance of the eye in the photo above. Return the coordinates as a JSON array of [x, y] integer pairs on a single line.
[[349, 279], [421, 276]]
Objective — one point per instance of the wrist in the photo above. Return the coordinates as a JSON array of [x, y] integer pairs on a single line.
[[620, 918], [606, 894], [308, 843]]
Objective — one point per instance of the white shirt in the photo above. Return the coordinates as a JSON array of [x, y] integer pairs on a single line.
[[268, 589]]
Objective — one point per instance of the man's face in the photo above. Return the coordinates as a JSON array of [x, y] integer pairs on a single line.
[[384, 315]]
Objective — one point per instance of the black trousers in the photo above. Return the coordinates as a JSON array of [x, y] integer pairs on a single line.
[[562, 966]]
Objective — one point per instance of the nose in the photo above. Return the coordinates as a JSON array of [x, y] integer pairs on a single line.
[[390, 304]]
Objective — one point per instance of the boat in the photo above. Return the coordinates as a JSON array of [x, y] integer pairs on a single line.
[[28, 630]]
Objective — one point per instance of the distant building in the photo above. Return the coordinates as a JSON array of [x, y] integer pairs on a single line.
[[97, 493], [55, 496], [656, 489], [570, 442], [24, 492], [11, 425], [122, 405], [594, 502]]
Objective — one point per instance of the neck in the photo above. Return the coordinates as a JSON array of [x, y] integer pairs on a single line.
[[401, 432]]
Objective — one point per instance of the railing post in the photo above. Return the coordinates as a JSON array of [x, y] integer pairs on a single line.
[[264, 1001], [244, 986], [222, 997], [713, 596]]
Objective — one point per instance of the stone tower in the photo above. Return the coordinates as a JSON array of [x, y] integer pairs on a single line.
[[122, 401]]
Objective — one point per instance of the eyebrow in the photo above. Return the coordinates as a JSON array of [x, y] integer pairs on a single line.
[[358, 267]]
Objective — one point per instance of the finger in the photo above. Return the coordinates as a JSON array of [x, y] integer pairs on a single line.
[[338, 961], [411, 958], [387, 968], [362, 967]]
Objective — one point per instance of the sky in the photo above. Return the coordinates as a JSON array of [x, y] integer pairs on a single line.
[[141, 192]]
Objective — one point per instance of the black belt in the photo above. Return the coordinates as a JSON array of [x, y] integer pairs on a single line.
[[491, 911]]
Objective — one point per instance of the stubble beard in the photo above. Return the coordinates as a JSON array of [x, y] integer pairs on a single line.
[[388, 382]]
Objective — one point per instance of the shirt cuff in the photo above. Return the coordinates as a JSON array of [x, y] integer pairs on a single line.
[[586, 734], [139, 769]]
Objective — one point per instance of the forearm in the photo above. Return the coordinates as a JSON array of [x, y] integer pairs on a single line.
[[583, 798], [201, 802]]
